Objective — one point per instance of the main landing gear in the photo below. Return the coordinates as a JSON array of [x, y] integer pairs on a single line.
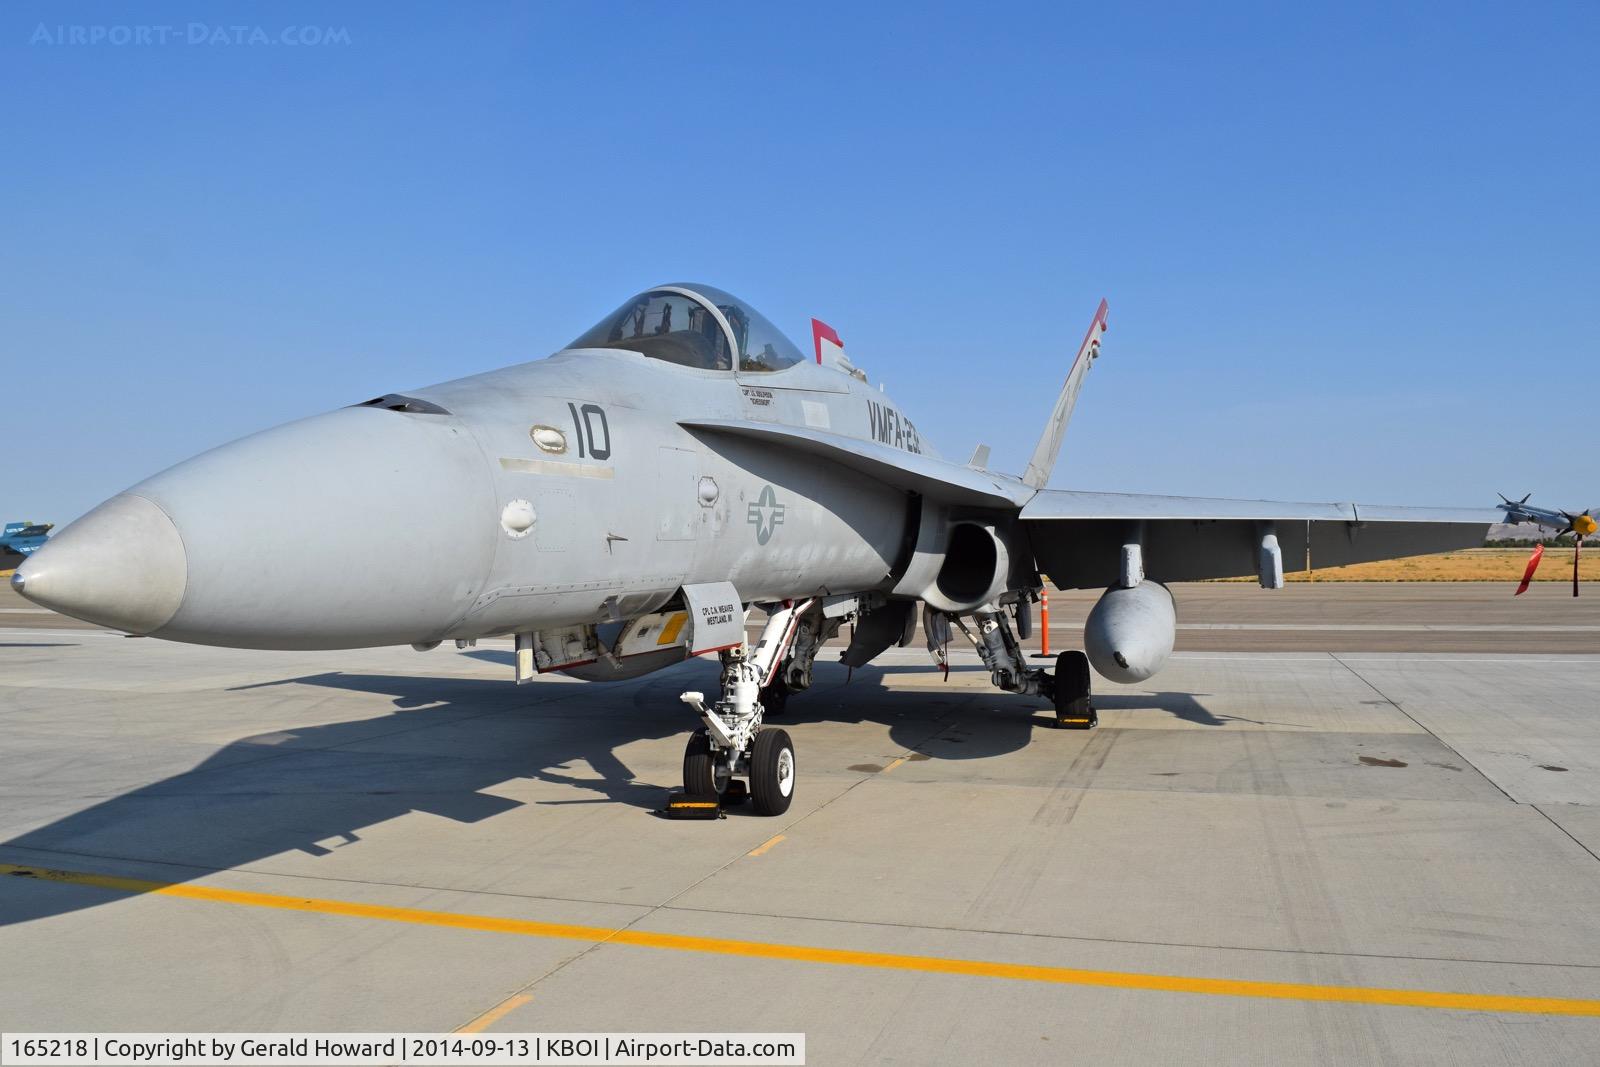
[[734, 743], [997, 645], [1071, 696]]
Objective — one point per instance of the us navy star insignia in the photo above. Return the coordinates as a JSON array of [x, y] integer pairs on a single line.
[[766, 514]]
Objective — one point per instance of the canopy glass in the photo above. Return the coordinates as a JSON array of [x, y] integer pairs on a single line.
[[694, 326]]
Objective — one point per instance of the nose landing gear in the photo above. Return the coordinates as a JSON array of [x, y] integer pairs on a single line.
[[733, 742]]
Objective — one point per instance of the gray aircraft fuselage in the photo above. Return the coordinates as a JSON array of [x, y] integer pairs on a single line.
[[682, 442], [410, 546]]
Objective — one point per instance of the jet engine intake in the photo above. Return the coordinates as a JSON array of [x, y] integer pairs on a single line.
[[1130, 632], [974, 570]]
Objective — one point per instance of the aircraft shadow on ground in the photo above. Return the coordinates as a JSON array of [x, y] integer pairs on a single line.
[[1184, 706], [315, 788]]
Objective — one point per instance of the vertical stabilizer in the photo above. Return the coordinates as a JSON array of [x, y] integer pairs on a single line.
[[1049, 447]]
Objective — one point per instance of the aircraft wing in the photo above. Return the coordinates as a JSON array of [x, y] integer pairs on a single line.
[[909, 471], [1077, 537]]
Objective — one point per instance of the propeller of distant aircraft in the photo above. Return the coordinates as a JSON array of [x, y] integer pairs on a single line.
[[1579, 525]]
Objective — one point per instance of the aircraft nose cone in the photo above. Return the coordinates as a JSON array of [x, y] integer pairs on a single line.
[[122, 565]]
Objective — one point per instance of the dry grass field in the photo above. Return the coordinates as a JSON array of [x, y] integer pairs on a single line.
[[1467, 565]]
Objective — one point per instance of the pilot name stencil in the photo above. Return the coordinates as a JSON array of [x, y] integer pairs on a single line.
[[716, 615]]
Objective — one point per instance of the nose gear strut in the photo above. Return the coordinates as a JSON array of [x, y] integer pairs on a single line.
[[733, 742]]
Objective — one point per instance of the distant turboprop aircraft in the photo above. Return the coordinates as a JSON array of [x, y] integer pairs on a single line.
[[624, 504]]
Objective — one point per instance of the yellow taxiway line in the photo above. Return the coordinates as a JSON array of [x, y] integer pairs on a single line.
[[761, 849], [495, 1014], [1170, 983]]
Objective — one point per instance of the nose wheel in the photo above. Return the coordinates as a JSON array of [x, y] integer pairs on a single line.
[[706, 771], [770, 765], [772, 772]]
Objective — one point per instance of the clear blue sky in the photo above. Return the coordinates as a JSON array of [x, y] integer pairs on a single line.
[[1350, 253]]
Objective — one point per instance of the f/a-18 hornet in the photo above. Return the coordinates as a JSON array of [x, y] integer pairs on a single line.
[[626, 502]]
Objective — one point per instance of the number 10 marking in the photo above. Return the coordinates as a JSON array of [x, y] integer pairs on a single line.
[[583, 424]]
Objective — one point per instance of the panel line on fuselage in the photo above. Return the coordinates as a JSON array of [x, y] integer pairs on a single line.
[[551, 466]]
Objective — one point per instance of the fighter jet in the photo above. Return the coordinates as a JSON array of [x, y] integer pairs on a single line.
[[626, 503]]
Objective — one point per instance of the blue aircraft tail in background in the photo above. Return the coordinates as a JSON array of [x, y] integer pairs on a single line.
[[20, 540]]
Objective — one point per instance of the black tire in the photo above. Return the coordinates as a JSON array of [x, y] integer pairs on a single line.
[[772, 772], [700, 769], [1074, 710]]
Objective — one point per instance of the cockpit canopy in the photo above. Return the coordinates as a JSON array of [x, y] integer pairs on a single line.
[[694, 326]]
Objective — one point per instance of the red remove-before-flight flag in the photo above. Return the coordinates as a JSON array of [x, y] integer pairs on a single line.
[[819, 330]]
